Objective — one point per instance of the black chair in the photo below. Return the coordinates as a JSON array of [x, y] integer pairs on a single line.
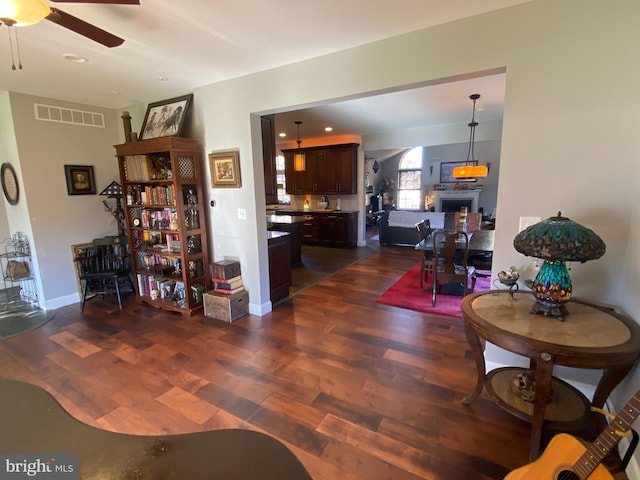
[[105, 269], [450, 253], [375, 205], [424, 234]]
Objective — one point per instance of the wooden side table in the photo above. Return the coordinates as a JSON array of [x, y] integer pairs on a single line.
[[590, 337]]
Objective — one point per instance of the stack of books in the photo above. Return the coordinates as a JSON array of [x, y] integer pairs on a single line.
[[228, 286], [226, 277]]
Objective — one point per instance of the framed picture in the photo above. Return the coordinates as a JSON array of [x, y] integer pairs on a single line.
[[80, 179], [446, 173], [166, 118], [225, 169]]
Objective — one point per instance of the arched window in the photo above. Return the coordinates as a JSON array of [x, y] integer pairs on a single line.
[[410, 180]]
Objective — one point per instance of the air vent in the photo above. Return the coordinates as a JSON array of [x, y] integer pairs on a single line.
[[52, 113]]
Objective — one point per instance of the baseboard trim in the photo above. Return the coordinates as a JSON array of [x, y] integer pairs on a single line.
[[61, 301], [260, 309]]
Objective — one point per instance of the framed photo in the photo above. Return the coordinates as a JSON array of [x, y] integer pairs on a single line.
[[166, 118], [446, 173], [225, 169], [80, 179]]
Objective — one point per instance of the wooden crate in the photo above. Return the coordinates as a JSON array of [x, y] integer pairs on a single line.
[[226, 307]]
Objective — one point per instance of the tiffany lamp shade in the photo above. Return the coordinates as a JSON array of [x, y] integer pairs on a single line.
[[557, 240]]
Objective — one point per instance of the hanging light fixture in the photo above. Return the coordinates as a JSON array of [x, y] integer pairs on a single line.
[[23, 12], [471, 169], [298, 160]]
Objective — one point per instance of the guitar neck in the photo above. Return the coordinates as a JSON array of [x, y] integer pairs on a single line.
[[609, 438]]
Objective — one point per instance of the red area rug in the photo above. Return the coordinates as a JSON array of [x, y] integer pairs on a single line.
[[406, 293]]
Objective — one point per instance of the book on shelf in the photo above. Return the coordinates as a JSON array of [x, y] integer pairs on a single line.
[[166, 288], [228, 292]]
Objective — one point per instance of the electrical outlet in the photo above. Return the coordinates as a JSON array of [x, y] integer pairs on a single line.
[[242, 213], [526, 222]]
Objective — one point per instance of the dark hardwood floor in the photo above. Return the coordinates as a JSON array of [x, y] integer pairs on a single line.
[[357, 390]]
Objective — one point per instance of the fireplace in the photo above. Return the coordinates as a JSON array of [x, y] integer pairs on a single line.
[[452, 200], [455, 205]]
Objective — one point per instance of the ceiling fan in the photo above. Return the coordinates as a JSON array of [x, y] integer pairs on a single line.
[[29, 12]]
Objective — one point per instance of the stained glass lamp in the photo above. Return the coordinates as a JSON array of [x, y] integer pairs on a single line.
[[557, 240]]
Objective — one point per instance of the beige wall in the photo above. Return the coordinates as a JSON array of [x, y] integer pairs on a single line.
[[568, 128], [53, 219]]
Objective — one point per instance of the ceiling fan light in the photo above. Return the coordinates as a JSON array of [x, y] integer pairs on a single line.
[[23, 12]]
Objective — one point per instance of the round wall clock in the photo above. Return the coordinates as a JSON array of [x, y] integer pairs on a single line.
[[10, 183]]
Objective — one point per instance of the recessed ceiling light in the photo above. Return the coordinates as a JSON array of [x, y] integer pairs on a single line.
[[328, 129], [72, 57], [282, 134]]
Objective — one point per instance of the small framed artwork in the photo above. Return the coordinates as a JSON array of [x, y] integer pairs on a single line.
[[446, 173], [225, 169], [80, 179], [166, 118]]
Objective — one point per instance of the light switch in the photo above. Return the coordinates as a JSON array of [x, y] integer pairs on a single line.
[[242, 213], [526, 222]]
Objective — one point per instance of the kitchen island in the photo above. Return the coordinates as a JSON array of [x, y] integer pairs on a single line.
[[331, 228], [290, 224]]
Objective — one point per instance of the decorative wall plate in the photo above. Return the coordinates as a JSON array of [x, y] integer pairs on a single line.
[[10, 183]]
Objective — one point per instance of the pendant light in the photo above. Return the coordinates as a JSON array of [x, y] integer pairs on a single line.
[[298, 160], [471, 169]]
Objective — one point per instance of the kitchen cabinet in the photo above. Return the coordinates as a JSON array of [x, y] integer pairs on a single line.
[[332, 229], [279, 265], [338, 230], [291, 225], [330, 169], [310, 229], [269, 159]]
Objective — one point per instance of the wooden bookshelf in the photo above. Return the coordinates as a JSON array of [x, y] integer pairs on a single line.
[[165, 219]]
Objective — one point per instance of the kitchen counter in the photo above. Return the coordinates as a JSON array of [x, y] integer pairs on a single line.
[[291, 225], [294, 212], [284, 219]]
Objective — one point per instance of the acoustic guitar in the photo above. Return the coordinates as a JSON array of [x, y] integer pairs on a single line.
[[566, 458]]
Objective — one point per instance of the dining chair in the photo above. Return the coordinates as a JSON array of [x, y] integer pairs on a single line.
[[426, 265], [105, 268], [451, 252]]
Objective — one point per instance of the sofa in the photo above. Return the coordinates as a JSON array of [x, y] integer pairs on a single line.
[[397, 227]]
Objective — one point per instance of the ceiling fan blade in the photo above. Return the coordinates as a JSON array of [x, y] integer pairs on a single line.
[[83, 28], [108, 2]]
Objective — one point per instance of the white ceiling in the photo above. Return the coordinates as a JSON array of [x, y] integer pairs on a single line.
[[172, 47]]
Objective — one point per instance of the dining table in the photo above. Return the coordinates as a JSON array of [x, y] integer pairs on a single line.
[[480, 241], [480, 244]]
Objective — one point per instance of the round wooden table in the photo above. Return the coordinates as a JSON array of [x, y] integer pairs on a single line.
[[590, 337]]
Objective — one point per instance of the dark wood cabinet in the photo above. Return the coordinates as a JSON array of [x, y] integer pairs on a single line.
[[335, 229], [338, 230], [279, 265], [269, 159], [329, 169], [309, 230]]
